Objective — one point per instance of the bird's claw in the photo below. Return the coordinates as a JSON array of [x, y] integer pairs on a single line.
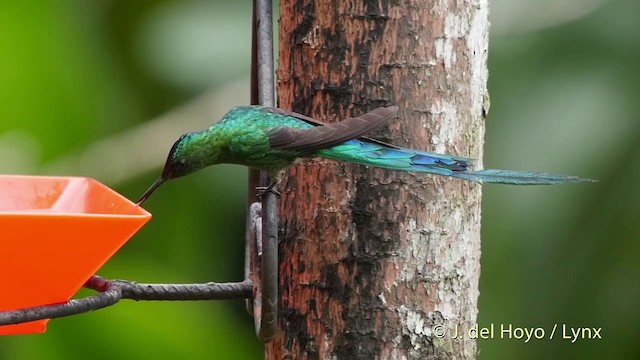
[[261, 190]]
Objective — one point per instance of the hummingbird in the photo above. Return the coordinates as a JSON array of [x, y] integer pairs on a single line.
[[270, 139]]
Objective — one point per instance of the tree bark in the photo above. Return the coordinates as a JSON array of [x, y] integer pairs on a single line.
[[373, 259]]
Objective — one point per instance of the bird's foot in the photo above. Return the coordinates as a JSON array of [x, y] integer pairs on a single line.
[[261, 190]]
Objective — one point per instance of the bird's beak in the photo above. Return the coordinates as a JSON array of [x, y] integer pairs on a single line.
[[150, 191]]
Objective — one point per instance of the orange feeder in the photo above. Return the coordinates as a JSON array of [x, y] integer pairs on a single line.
[[55, 233]]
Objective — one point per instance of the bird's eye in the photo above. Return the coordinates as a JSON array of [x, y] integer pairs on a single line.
[[179, 165]]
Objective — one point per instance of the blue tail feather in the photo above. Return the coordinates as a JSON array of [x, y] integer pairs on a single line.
[[517, 177], [374, 154]]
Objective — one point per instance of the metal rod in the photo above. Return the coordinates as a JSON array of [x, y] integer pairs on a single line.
[[112, 291], [269, 268], [264, 38], [254, 175], [265, 304]]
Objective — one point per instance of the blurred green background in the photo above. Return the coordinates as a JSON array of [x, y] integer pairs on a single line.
[[86, 85]]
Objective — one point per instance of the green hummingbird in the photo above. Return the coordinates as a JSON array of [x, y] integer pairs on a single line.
[[270, 139]]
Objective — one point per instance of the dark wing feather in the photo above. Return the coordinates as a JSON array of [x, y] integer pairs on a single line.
[[323, 135], [295, 115]]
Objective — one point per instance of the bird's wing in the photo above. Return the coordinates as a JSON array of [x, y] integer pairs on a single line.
[[304, 118], [324, 135]]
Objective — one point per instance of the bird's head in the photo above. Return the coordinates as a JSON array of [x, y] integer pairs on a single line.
[[184, 158]]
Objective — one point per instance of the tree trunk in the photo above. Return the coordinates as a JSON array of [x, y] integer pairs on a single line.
[[373, 259]]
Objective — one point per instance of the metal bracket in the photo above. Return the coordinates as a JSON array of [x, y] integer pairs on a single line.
[[262, 256]]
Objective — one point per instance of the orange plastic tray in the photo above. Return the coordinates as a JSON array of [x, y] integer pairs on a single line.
[[56, 232]]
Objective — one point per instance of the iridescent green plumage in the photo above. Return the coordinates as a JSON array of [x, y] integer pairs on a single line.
[[270, 139]]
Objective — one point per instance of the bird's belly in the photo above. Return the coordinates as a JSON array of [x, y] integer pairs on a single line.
[[270, 165]]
